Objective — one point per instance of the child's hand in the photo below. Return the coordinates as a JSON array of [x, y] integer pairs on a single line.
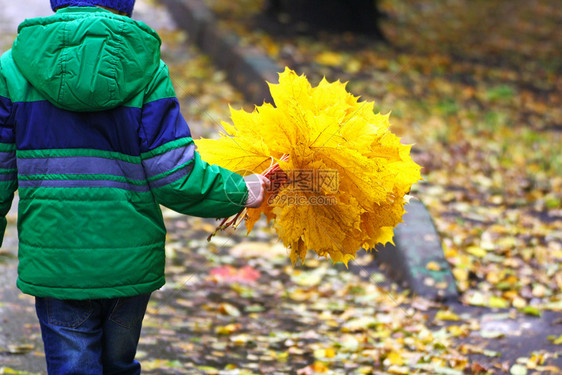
[[257, 185]]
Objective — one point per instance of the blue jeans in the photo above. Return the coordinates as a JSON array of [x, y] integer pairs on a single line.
[[88, 337]]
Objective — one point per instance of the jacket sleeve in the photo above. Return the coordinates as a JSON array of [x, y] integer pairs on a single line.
[[8, 171], [177, 176]]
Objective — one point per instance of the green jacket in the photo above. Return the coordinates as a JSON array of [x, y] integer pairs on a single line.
[[92, 138]]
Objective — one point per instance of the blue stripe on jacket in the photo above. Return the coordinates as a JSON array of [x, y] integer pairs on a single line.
[[6, 133], [40, 125], [169, 160], [8, 162], [173, 177], [80, 165], [7, 158], [162, 122], [155, 168], [84, 184], [8, 176]]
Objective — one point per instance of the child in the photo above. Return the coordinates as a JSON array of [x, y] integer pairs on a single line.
[[92, 137]]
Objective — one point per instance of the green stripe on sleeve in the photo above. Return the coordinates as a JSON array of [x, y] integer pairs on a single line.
[[84, 177], [167, 147], [7, 147], [53, 153]]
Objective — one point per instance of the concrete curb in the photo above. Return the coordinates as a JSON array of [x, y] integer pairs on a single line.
[[417, 246], [417, 242]]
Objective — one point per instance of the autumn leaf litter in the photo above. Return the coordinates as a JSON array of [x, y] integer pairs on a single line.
[[492, 184]]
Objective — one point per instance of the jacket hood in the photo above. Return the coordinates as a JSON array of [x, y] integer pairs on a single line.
[[87, 59]]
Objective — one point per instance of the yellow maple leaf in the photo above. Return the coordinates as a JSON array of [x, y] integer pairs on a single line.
[[246, 156], [348, 174], [329, 58]]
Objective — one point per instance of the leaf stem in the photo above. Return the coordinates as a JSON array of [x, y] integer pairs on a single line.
[[235, 220]]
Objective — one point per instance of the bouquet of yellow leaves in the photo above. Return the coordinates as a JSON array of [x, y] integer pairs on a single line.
[[346, 176]]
